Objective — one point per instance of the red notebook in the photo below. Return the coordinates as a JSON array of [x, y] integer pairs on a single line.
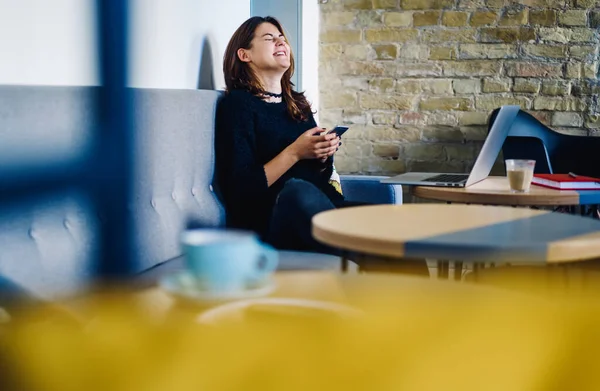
[[566, 181]]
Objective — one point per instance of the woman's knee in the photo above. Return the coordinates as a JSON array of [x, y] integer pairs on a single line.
[[298, 185], [296, 189], [303, 195]]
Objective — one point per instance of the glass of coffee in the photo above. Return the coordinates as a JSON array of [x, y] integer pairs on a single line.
[[520, 174]]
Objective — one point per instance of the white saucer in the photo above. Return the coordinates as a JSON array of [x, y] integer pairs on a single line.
[[184, 285], [234, 312]]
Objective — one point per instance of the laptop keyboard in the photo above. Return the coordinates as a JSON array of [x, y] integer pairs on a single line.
[[451, 178]]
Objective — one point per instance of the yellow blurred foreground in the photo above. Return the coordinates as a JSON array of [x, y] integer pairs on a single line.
[[373, 332]]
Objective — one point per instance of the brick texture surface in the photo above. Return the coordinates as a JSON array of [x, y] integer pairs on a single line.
[[416, 80]]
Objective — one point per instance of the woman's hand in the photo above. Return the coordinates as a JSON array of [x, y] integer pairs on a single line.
[[324, 159], [311, 145], [339, 142]]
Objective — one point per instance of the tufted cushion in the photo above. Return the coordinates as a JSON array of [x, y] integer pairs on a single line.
[[174, 169], [45, 123], [47, 244]]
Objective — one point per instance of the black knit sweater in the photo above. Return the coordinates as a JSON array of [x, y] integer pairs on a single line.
[[249, 133]]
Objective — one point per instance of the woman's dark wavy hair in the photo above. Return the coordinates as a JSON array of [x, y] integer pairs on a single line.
[[239, 75]]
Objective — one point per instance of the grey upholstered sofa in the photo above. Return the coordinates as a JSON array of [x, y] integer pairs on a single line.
[[47, 243]]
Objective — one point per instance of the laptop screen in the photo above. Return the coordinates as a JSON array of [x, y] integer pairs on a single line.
[[493, 143]]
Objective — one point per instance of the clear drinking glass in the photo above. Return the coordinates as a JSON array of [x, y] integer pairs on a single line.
[[520, 174]]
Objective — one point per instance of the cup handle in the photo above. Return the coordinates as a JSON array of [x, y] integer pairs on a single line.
[[270, 255]]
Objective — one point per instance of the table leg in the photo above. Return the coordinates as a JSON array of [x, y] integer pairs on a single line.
[[475, 271], [443, 269], [344, 264], [360, 261], [566, 275], [382, 264], [458, 271]]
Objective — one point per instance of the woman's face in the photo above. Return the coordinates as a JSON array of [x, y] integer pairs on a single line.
[[269, 51]]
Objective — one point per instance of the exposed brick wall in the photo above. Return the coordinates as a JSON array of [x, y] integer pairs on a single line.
[[417, 79]]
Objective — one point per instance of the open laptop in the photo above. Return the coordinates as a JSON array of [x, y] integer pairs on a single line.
[[483, 165]]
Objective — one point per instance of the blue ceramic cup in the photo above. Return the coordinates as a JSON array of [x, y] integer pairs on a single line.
[[227, 260]]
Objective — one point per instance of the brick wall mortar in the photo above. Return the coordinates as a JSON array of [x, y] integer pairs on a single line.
[[417, 79]]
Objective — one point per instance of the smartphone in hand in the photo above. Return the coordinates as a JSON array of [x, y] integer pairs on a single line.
[[338, 130]]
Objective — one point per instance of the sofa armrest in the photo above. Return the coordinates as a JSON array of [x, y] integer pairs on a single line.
[[366, 188]]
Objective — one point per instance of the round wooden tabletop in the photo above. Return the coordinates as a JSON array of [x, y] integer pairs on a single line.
[[473, 233], [495, 191]]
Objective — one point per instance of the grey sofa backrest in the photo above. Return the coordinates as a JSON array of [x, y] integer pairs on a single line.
[[175, 168], [48, 244]]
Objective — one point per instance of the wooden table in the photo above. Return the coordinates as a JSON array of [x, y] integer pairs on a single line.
[[495, 191], [470, 233]]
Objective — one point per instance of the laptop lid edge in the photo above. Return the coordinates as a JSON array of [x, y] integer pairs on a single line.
[[493, 144]]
